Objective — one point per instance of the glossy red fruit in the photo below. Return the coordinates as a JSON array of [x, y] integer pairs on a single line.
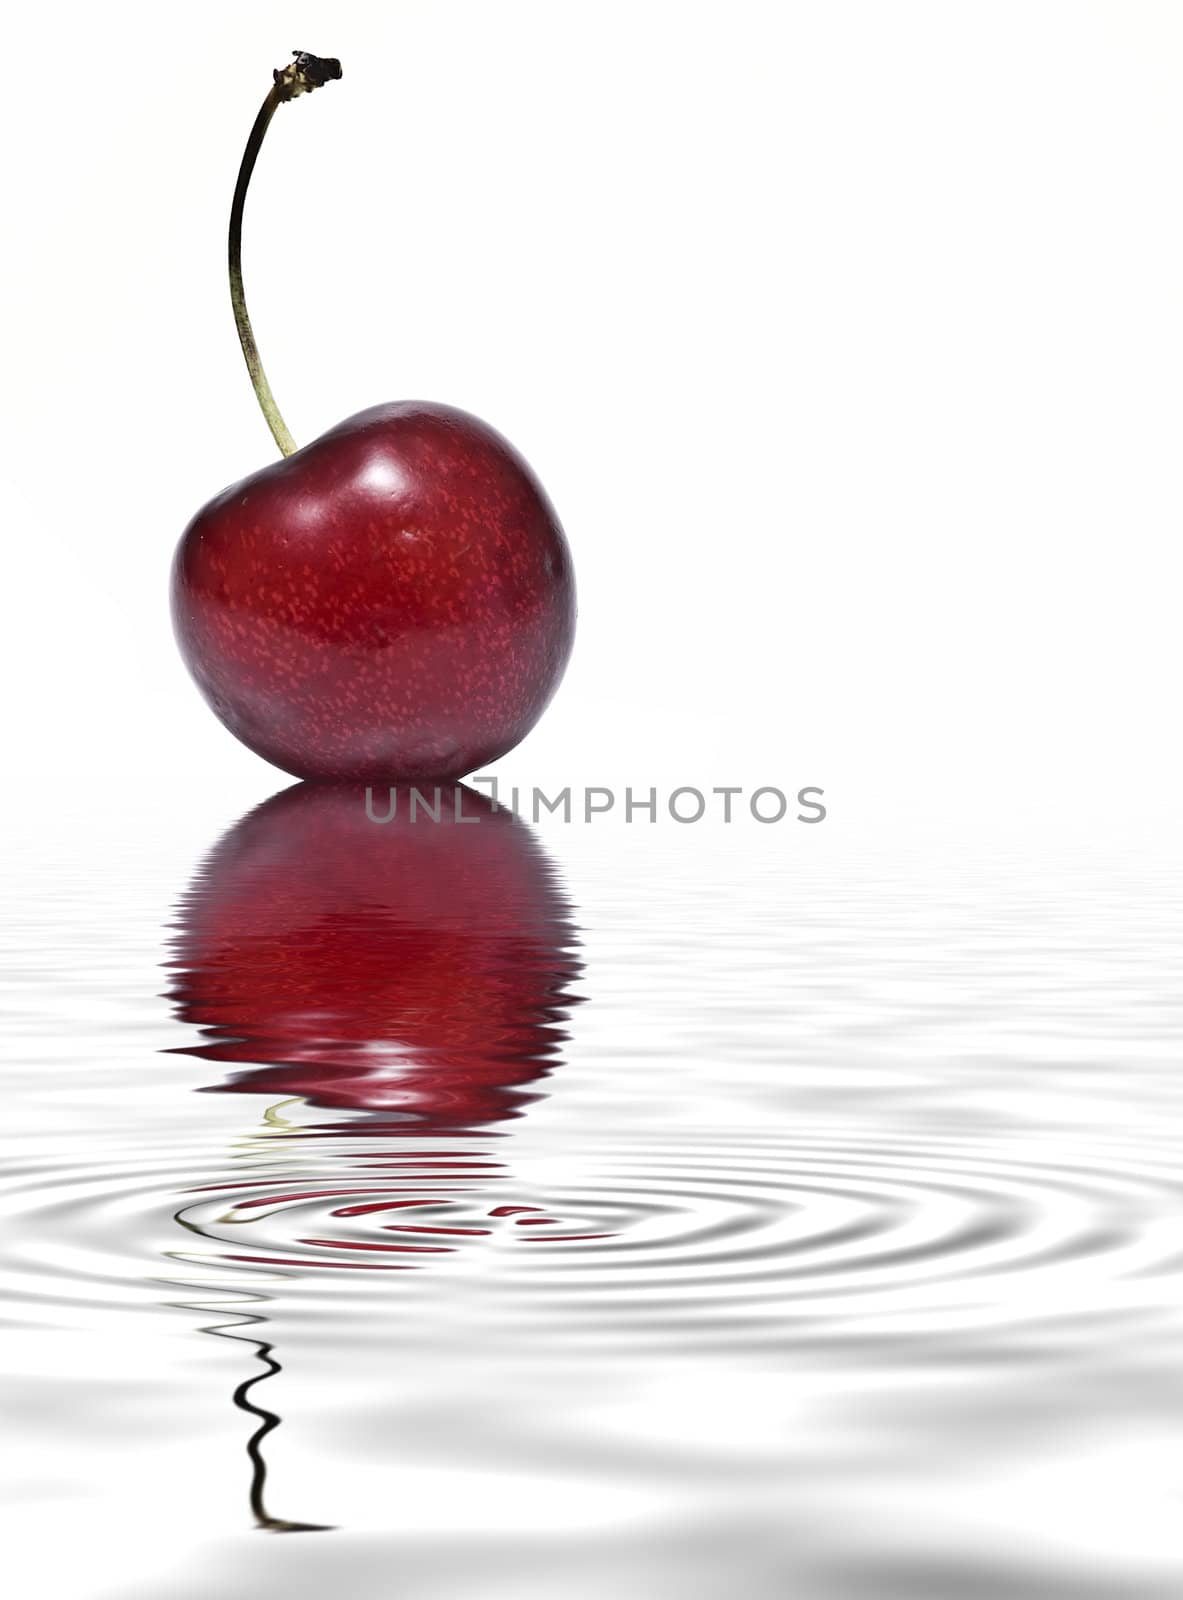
[[395, 601], [417, 971]]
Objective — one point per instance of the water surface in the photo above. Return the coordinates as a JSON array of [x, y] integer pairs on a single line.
[[506, 1211]]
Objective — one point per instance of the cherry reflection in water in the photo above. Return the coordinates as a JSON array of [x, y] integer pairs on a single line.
[[408, 977]]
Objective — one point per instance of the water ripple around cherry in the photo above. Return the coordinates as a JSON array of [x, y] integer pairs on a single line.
[[733, 1237], [902, 1163]]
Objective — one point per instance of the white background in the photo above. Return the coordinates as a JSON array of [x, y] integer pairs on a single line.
[[846, 338]]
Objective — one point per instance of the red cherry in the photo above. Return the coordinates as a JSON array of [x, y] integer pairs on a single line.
[[394, 601]]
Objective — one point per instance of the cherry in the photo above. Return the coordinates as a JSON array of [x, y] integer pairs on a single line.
[[395, 601]]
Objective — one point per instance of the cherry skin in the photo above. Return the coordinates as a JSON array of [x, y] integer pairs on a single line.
[[395, 601]]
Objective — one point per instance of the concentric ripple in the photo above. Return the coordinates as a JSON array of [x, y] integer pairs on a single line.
[[681, 1238], [934, 1235]]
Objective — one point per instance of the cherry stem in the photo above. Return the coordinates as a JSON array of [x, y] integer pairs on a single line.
[[303, 74]]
